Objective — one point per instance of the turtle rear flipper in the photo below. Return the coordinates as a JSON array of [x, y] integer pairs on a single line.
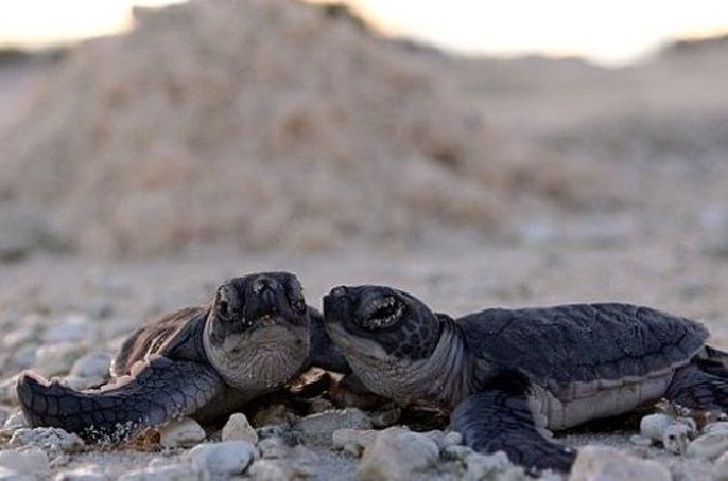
[[695, 389], [159, 390], [499, 419]]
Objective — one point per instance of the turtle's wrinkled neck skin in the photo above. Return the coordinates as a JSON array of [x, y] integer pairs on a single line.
[[441, 378], [256, 333], [428, 363]]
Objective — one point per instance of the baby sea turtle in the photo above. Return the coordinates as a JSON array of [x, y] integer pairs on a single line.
[[252, 338], [503, 374]]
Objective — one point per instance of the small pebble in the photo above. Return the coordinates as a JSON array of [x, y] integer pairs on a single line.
[[492, 466], [719, 427], [238, 428], [170, 472], [92, 365], [7, 474], [720, 468], [709, 445], [50, 439], [444, 439], [181, 434], [227, 458], [8, 390], [677, 437], [57, 358], [653, 426], [31, 461], [353, 441], [273, 448], [601, 463], [456, 452], [397, 454], [88, 473], [73, 328], [14, 422], [318, 428]]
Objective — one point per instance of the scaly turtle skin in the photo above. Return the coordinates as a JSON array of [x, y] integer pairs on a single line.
[[252, 338], [503, 374]]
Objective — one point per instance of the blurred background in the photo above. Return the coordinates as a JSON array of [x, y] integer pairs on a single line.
[[474, 152]]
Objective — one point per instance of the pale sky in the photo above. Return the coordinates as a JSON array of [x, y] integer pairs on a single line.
[[607, 32]]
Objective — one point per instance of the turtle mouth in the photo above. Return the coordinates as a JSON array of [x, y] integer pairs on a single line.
[[382, 313], [272, 318]]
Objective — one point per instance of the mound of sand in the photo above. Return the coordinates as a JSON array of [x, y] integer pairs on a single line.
[[264, 123]]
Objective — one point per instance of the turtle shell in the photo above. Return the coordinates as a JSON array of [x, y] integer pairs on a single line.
[[561, 345]]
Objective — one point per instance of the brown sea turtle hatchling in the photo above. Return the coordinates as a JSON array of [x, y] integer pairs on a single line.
[[254, 337], [504, 373]]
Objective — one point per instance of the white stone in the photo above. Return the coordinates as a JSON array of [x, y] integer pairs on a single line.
[[88, 473], [720, 468], [72, 328], [653, 426], [14, 422], [57, 358], [24, 357], [9, 391], [271, 470], [181, 434], [273, 448], [237, 428], [492, 466], [227, 458], [456, 452], [318, 428], [27, 331], [82, 383], [444, 439], [709, 445], [170, 472], [397, 454], [600, 463], [640, 440], [353, 441], [298, 465], [31, 461], [716, 427], [92, 365], [50, 439], [7, 474], [677, 437]]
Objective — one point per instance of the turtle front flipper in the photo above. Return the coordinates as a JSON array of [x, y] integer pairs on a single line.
[[499, 419], [159, 390]]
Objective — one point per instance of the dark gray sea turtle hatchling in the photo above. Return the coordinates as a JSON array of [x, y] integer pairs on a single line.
[[254, 336], [504, 373]]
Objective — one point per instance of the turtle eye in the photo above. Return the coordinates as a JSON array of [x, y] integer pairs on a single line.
[[223, 310], [296, 299], [228, 305]]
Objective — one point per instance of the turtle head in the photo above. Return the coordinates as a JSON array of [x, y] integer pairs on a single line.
[[398, 323], [390, 338], [257, 329]]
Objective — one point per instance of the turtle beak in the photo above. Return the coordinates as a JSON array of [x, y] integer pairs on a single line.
[[266, 302]]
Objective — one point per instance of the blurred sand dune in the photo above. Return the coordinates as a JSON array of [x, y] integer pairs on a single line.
[[273, 124]]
